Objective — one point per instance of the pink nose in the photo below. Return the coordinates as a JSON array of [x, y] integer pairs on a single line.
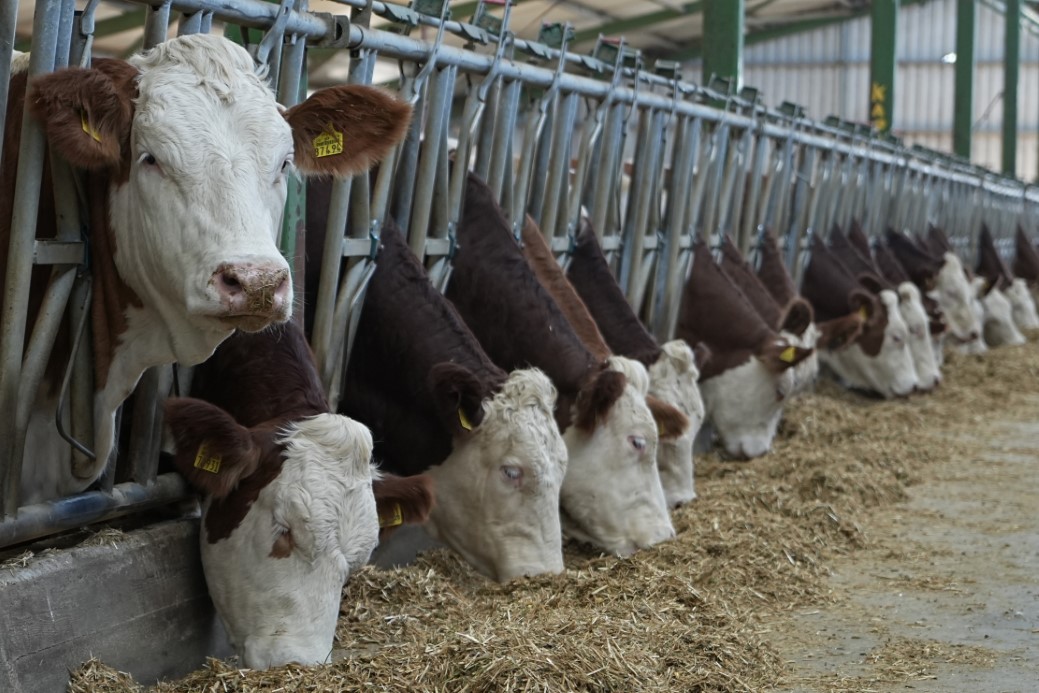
[[251, 289]]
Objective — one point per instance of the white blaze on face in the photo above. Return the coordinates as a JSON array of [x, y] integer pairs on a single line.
[[673, 379], [891, 373], [955, 297], [319, 515], [612, 496], [745, 405], [199, 216], [1000, 329], [911, 307], [1022, 305], [498, 492]]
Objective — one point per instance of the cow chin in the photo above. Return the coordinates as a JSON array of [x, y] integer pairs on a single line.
[[254, 323]]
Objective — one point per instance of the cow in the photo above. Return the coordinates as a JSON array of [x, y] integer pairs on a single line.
[[675, 444], [909, 304], [794, 320], [748, 375], [891, 269], [1026, 263], [185, 155], [878, 360], [943, 278], [998, 329], [611, 495], [289, 511], [437, 404]]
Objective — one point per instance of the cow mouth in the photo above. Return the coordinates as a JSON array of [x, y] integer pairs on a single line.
[[252, 322]]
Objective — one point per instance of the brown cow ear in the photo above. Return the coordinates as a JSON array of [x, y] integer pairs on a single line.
[[402, 500], [87, 113], [840, 332], [596, 398], [798, 317], [347, 129], [871, 282], [779, 356], [457, 396], [671, 422], [862, 304], [702, 354], [213, 451]]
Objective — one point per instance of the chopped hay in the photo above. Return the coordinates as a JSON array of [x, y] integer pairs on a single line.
[[908, 659], [684, 615]]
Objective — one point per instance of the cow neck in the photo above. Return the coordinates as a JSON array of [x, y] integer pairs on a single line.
[[715, 312], [852, 259], [1026, 257], [827, 283], [739, 272], [589, 273], [225, 514], [263, 376], [857, 238], [550, 276], [515, 320], [918, 263], [773, 272], [889, 265], [990, 264], [938, 243]]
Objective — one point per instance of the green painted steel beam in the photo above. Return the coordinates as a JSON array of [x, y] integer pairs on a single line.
[[642, 21], [883, 60], [1011, 72], [723, 41], [963, 100]]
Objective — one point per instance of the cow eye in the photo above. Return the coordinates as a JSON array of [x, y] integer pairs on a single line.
[[513, 474], [286, 165], [147, 159], [638, 443]]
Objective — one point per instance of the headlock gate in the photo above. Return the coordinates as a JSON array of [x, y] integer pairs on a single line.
[[652, 161]]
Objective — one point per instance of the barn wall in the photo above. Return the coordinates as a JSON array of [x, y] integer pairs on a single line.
[[827, 71]]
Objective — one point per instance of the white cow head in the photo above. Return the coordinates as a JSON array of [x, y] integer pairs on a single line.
[[673, 379], [1022, 305], [612, 496], [998, 319], [917, 323], [880, 359], [956, 298], [498, 491], [188, 154], [289, 513]]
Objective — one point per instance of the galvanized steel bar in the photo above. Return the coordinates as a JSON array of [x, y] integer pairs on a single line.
[[156, 24]]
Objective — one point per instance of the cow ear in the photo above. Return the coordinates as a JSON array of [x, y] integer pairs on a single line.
[[457, 396], [871, 282], [702, 352], [840, 332], [681, 356], [346, 129], [798, 317], [87, 113], [671, 422], [778, 355], [213, 451], [862, 304], [402, 500], [596, 398]]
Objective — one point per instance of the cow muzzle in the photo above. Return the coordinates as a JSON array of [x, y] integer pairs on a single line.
[[253, 295]]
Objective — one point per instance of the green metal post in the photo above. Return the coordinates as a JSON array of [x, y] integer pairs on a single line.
[[723, 41], [882, 64], [1011, 68], [963, 107]]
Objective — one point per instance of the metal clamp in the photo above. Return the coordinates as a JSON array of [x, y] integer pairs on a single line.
[[275, 34]]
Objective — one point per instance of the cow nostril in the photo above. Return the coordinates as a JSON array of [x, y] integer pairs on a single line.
[[229, 283]]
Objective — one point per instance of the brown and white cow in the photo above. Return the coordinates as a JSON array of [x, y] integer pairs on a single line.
[[611, 495], [1026, 262], [675, 445], [186, 155], [1006, 315], [878, 359], [891, 269], [909, 304], [437, 404], [748, 375], [289, 510]]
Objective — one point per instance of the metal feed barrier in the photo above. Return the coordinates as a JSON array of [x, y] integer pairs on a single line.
[[550, 130]]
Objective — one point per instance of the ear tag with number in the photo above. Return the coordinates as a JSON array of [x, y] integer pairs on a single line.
[[788, 355], [205, 461], [88, 128], [464, 420], [328, 143], [393, 519]]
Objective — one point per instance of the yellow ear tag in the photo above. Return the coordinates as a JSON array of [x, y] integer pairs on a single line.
[[788, 354], [464, 420], [395, 518], [87, 128], [206, 461], [863, 313], [328, 143]]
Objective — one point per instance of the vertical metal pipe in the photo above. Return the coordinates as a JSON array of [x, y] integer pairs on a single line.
[[8, 29], [501, 145], [440, 92], [156, 24], [559, 162], [1011, 73]]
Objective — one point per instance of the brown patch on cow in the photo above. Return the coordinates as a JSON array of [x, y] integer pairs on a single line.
[[458, 396], [779, 355], [370, 122], [797, 317], [410, 496], [840, 332], [596, 398], [772, 270], [920, 265], [226, 514], [861, 266], [889, 265], [872, 338], [550, 276], [87, 113], [937, 243], [858, 239], [589, 273], [671, 422], [990, 264], [827, 283], [1026, 258], [701, 355], [739, 271], [283, 545]]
